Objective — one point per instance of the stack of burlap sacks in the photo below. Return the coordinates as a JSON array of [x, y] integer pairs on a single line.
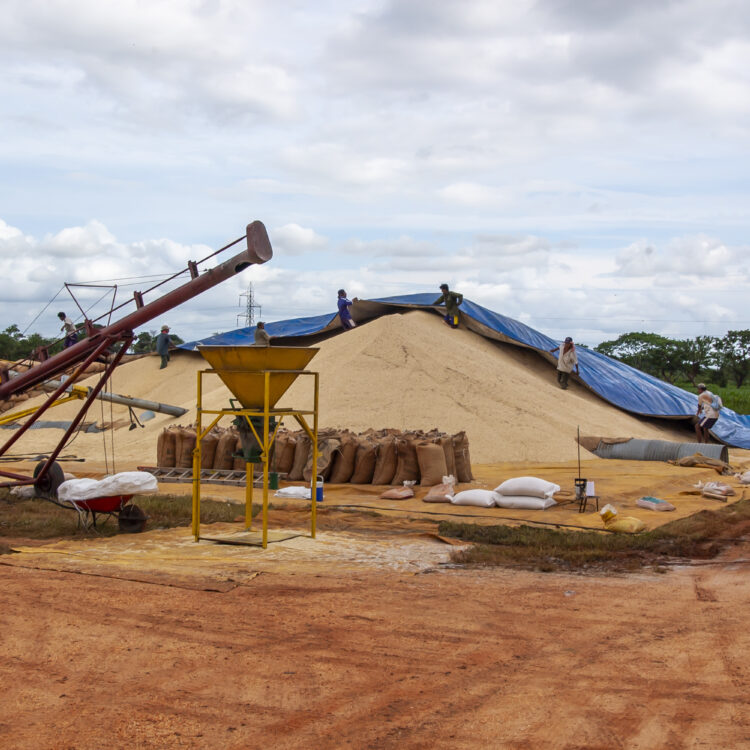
[[372, 457], [175, 445]]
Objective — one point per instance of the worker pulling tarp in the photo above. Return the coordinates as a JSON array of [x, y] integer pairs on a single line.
[[614, 381]]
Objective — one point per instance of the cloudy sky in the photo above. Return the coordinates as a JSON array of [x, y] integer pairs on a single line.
[[581, 165]]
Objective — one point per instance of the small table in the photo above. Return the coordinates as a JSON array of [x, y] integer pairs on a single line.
[[584, 501]]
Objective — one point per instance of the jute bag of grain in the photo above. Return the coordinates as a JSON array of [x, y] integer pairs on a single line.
[[398, 493], [385, 465], [279, 443], [208, 450], [441, 493], [224, 460], [326, 448], [285, 454], [343, 460], [364, 462], [407, 466], [431, 460], [446, 441], [184, 447], [301, 454], [463, 460], [166, 448], [238, 462]]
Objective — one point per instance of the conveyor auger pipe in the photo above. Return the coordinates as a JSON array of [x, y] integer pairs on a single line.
[[258, 251]]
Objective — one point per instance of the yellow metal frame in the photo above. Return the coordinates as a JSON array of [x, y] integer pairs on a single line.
[[77, 392], [265, 441]]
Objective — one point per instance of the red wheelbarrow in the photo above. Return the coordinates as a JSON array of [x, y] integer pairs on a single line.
[[130, 518]]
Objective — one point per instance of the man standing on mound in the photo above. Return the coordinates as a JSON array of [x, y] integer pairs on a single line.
[[344, 314], [451, 300], [707, 414], [566, 361], [163, 342]]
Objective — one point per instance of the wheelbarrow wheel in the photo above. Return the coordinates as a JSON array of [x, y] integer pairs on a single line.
[[47, 486], [131, 519]]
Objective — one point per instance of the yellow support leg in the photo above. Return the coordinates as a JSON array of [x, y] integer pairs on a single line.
[[249, 479]]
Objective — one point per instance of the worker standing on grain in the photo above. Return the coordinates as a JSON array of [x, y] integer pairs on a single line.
[[566, 361], [707, 413], [344, 313], [163, 342], [261, 335], [71, 336], [451, 300]]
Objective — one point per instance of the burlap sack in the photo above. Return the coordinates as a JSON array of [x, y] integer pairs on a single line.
[[398, 493], [184, 446], [385, 465], [166, 448], [446, 441], [285, 453], [439, 493], [301, 454], [407, 466], [208, 450], [223, 459], [326, 449], [463, 460], [238, 462], [431, 459], [364, 462], [343, 461]]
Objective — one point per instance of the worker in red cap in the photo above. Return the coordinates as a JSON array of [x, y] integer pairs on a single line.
[[163, 342], [566, 361]]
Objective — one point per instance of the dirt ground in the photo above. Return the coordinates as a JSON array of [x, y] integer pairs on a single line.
[[373, 655]]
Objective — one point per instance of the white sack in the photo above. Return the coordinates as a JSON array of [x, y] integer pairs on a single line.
[[480, 498], [26, 491], [531, 486], [303, 493], [523, 501], [124, 483], [654, 503]]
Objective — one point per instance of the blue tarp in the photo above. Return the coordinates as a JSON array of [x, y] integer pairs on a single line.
[[618, 383]]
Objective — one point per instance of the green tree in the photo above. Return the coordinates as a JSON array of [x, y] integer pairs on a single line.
[[697, 356], [732, 355], [648, 352]]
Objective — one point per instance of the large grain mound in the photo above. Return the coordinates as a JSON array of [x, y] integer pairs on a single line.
[[408, 371]]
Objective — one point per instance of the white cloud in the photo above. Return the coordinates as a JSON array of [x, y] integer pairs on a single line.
[[292, 239]]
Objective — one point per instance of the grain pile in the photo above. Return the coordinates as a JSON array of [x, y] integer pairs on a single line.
[[407, 372]]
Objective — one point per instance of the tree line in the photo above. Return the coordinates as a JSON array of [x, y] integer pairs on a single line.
[[722, 360], [15, 345]]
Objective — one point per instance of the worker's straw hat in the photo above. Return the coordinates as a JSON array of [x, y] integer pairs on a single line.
[[165, 328]]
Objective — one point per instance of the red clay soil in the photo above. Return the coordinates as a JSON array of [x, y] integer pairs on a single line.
[[446, 659]]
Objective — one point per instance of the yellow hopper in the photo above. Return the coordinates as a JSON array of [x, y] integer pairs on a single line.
[[242, 368]]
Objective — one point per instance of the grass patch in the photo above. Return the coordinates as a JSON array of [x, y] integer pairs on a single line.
[[702, 535], [41, 519]]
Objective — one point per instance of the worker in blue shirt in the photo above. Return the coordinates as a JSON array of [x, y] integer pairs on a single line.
[[344, 313]]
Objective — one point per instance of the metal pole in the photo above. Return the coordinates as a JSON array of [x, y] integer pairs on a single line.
[[197, 460]]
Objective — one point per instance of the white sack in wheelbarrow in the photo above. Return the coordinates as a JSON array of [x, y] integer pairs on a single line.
[[124, 483]]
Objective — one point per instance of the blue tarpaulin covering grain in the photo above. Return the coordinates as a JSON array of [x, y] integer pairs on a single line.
[[618, 383]]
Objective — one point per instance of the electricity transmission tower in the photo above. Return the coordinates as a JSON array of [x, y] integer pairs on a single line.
[[249, 306]]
